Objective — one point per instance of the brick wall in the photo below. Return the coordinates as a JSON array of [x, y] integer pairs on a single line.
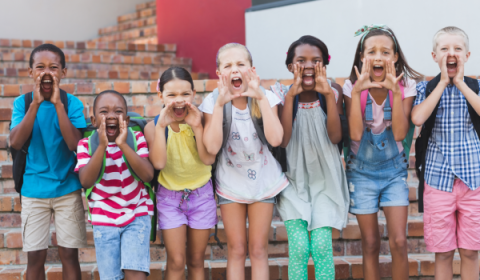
[[141, 98]]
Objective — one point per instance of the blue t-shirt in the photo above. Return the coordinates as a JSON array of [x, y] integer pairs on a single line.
[[49, 169]]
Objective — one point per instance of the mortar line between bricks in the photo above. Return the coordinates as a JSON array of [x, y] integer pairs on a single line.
[[349, 267], [1, 89]]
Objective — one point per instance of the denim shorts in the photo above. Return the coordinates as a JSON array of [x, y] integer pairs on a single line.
[[120, 248], [222, 200], [197, 209], [377, 185]]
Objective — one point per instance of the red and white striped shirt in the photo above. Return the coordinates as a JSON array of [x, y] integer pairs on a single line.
[[118, 198]]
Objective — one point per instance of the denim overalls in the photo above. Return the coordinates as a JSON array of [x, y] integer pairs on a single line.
[[377, 175]]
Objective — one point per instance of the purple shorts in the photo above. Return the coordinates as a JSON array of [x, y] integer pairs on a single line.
[[197, 209]]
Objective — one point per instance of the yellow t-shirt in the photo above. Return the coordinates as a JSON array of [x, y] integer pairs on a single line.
[[184, 169]]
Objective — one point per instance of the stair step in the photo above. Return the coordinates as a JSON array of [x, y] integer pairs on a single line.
[[150, 21], [420, 265]]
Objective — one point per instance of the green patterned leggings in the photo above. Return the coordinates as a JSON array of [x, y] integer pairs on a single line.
[[300, 246]]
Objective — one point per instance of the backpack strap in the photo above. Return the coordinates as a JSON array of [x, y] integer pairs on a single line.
[[258, 123], [364, 99], [473, 85], [64, 99], [227, 117]]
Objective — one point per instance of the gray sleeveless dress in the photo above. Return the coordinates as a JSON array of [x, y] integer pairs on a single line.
[[318, 191]]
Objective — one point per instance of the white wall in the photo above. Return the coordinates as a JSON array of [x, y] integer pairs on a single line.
[[269, 33], [60, 19]]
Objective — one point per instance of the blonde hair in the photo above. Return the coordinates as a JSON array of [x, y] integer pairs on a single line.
[[255, 110], [450, 30]]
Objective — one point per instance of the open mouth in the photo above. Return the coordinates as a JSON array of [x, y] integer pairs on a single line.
[[179, 111], [377, 70], [308, 79], [452, 66], [237, 82], [46, 84], [111, 129]]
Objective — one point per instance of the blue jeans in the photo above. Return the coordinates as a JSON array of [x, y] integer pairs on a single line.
[[120, 248]]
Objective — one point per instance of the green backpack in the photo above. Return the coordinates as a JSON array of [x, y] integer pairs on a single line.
[[137, 123]]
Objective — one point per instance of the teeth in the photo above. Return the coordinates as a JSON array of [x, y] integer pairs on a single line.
[[308, 75], [179, 107], [451, 62], [235, 79], [46, 81]]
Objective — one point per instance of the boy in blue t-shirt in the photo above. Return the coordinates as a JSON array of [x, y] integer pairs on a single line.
[[49, 184]]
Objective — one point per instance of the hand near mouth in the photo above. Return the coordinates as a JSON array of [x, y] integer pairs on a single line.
[[37, 95], [253, 81], [460, 71], [55, 97], [363, 79], [391, 81], [194, 116], [122, 136], [102, 133], [224, 95], [321, 83], [166, 116], [297, 88]]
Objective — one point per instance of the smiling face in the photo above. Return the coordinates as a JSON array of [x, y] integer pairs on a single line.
[[179, 91], [450, 45], [234, 64], [48, 62], [379, 49], [307, 56], [112, 107]]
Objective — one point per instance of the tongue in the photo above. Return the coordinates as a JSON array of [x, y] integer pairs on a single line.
[[378, 71], [237, 83], [308, 80], [111, 130], [178, 111], [451, 66], [46, 86]]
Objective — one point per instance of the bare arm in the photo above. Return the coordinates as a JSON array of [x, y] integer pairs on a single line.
[[70, 133], [422, 111], [88, 174], [334, 127], [471, 96], [286, 111], [194, 119], [157, 144], [141, 166]]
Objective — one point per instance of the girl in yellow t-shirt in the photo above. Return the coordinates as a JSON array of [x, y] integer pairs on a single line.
[[185, 199]]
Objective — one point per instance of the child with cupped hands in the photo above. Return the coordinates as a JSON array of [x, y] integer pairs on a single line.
[[378, 103], [240, 121], [317, 199], [448, 157], [120, 205], [186, 204]]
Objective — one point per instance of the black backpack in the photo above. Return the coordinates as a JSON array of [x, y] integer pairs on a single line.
[[20, 156], [422, 140], [157, 172]]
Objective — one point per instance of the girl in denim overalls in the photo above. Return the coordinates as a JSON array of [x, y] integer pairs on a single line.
[[378, 102]]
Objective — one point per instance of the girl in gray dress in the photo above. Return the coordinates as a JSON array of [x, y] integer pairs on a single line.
[[317, 199]]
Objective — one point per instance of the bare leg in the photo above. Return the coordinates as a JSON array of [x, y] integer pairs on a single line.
[[370, 245], [36, 265], [197, 241], [135, 275], [397, 226], [469, 264], [259, 222], [175, 240], [444, 265], [234, 219]]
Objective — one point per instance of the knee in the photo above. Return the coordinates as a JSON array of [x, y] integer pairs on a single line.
[[195, 261], [68, 255], [371, 245], [398, 244], [36, 258], [446, 256], [176, 262], [469, 254], [237, 251], [258, 251]]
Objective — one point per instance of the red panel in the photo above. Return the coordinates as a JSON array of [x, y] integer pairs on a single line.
[[201, 27]]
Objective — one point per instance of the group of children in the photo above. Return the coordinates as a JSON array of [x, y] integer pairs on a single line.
[[257, 149]]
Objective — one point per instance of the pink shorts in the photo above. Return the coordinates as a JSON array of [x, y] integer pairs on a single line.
[[197, 209], [452, 220]]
